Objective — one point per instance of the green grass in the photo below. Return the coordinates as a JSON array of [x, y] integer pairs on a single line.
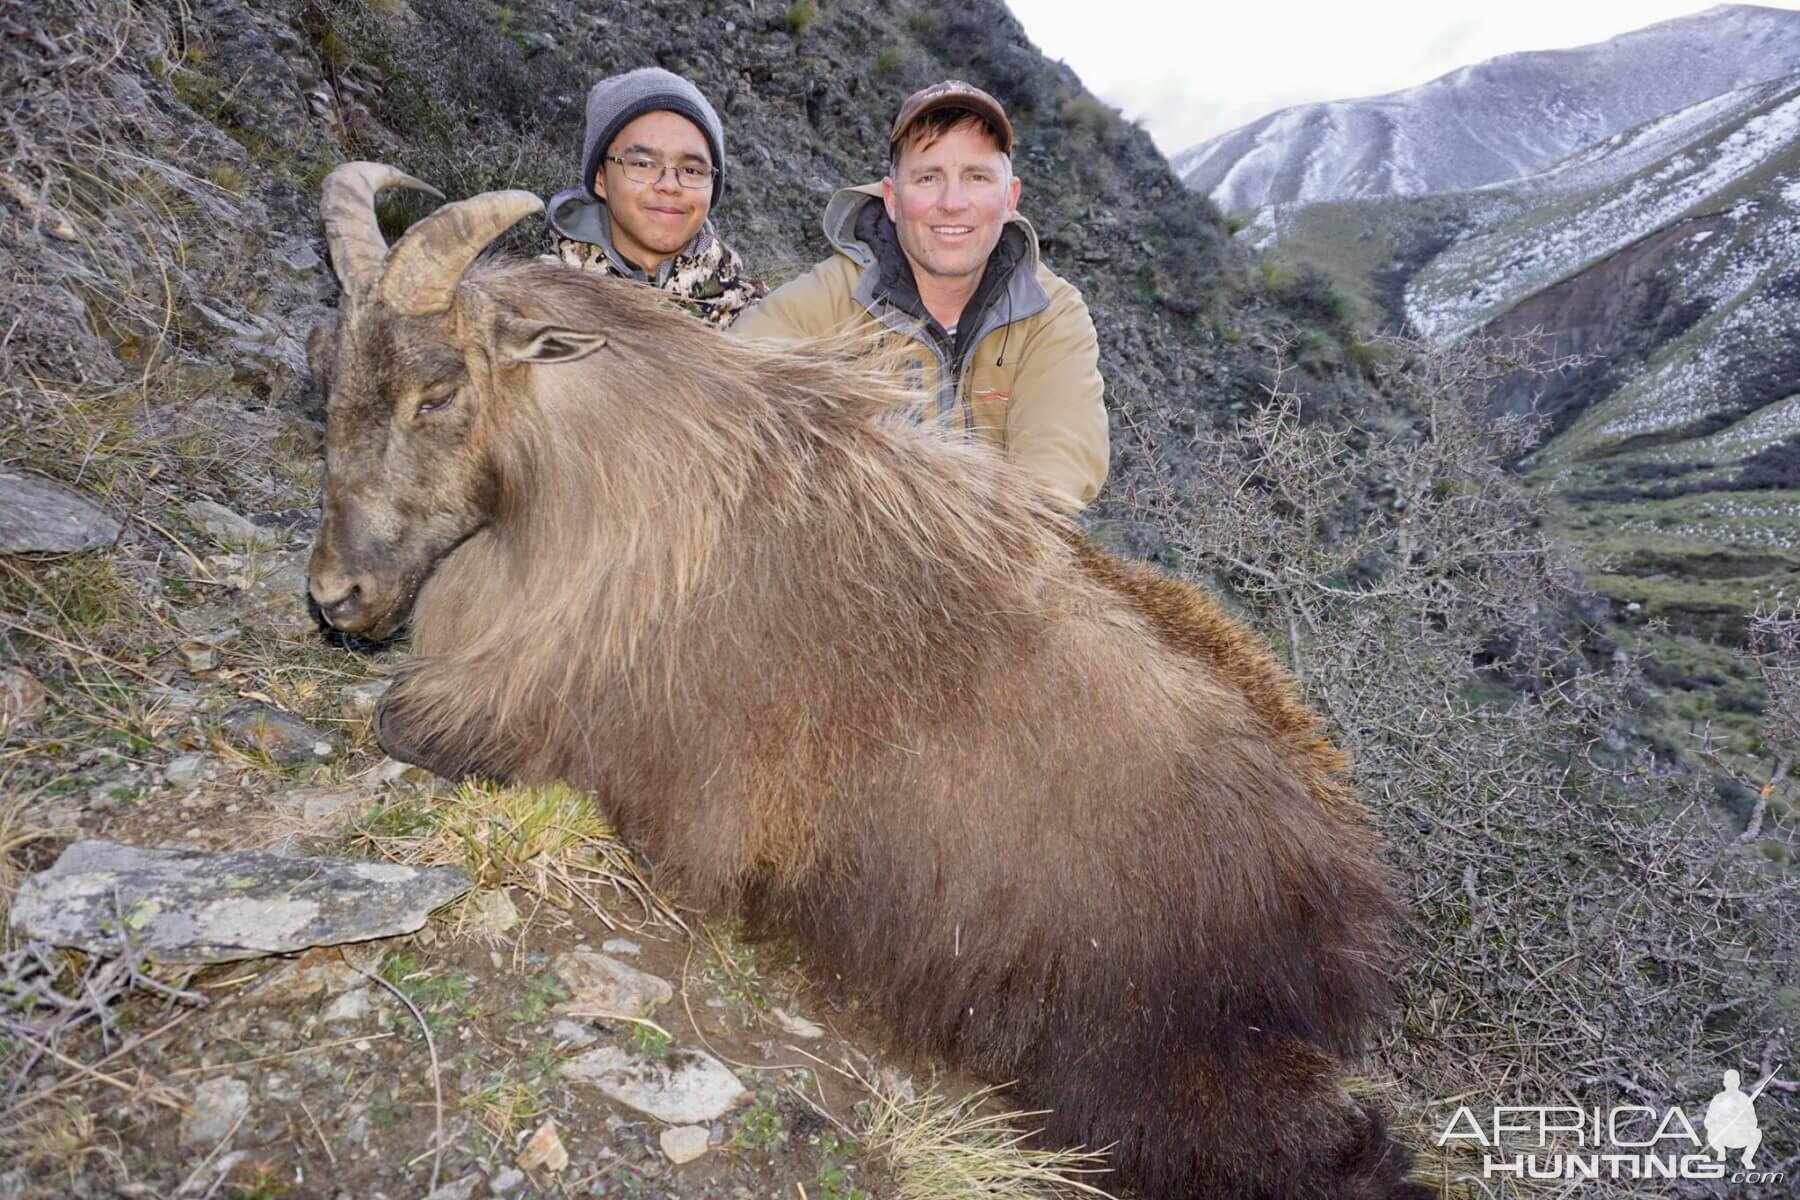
[[759, 1128], [540, 994], [440, 997], [800, 16]]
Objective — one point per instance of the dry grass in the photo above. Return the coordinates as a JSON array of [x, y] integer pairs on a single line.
[[63, 1134], [970, 1148], [548, 841]]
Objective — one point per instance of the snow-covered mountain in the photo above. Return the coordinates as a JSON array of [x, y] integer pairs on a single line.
[[1503, 119], [1668, 257]]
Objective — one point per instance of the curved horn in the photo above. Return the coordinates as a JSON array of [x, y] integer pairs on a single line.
[[347, 206], [428, 263]]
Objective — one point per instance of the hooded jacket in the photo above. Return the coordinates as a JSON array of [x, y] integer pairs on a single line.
[[706, 276], [1022, 371]]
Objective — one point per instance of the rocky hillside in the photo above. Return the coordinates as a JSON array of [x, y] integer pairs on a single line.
[[1663, 254], [1498, 120], [274, 1011]]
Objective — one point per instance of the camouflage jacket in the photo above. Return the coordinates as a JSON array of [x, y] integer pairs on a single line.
[[707, 277]]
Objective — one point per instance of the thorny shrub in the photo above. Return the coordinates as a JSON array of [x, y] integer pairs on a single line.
[[1588, 929]]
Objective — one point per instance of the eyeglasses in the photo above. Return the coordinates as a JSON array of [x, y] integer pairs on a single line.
[[640, 169]]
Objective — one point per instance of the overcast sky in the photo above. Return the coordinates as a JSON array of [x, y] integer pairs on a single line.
[[1190, 69]]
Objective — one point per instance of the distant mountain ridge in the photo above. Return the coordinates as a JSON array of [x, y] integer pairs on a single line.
[[1499, 120]]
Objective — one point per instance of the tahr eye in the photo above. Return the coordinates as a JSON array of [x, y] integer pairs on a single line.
[[435, 401]]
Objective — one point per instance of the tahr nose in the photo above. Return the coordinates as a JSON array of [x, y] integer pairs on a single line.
[[338, 595]]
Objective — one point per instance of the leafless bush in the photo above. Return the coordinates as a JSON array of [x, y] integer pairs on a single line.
[[47, 996], [1589, 929]]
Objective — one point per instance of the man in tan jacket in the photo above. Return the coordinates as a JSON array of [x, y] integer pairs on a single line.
[[938, 254]]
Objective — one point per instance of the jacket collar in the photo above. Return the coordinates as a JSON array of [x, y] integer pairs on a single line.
[[886, 280], [575, 214]]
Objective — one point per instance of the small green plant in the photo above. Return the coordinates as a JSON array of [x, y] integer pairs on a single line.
[[832, 1181], [735, 971], [439, 998], [800, 15], [540, 994], [229, 178], [383, 1112], [1084, 113], [649, 1041], [265, 1183], [760, 1128], [887, 63], [502, 1105]]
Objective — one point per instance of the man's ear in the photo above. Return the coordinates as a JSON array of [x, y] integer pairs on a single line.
[[539, 342], [887, 197], [1013, 188]]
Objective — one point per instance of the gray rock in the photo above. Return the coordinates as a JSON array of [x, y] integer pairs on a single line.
[[173, 699], [688, 1088], [112, 793], [507, 1180], [684, 1143], [281, 1087], [539, 41], [297, 254], [349, 1007], [218, 1106], [196, 658], [457, 1189], [201, 652], [491, 914], [392, 771], [621, 946], [37, 516], [325, 805], [358, 700], [185, 771], [573, 1034], [600, 985], [230, 528], [195, 907], [284, 738], [799, 1027], [22, 698]]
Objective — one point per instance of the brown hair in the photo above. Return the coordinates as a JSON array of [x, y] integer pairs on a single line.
[[934, 125]]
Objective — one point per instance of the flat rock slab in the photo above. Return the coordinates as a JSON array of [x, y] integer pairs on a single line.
[[190, 906], [686, 1088], [37, 516], [602, 986]]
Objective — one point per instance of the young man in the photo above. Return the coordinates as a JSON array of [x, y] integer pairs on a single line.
[[938, 254], [653, 160]]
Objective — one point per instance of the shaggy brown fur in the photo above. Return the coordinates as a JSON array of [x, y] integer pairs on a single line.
[[1060, 818]]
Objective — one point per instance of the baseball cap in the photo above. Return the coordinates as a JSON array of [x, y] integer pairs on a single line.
[[953, 93]]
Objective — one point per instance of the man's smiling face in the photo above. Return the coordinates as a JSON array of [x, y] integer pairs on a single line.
[[949, 200], [651, 221]]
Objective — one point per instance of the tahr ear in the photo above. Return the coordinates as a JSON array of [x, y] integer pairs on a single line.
[[538, 342]]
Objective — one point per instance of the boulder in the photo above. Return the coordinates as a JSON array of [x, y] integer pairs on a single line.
[[191, 906], [41, 517]]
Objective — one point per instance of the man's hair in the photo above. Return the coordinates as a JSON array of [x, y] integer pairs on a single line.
[[935, 124]]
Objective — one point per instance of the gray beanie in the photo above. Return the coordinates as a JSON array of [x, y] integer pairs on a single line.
[[616, 101]]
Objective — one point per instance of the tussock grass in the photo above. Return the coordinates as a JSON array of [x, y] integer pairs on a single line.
[[16, 832], [61, 1133], [945, 1148], [550, 842]]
